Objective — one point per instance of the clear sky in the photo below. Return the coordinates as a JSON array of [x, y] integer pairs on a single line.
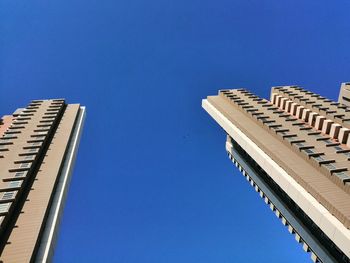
[[152, 181]]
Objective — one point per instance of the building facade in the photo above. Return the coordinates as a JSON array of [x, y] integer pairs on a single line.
[[38, 145], [295, 152]]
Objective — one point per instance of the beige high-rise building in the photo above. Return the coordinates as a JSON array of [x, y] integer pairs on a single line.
[[295, 152], [38, 145]]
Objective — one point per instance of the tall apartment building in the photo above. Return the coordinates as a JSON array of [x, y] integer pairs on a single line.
[[38, 145], [295, 151]]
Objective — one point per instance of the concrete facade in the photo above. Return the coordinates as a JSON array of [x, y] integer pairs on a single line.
[[36, 145], [291, 142]]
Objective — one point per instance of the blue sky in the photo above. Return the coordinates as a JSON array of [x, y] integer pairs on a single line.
[[152, 181]]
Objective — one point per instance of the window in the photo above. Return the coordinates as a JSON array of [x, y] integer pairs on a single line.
[[15, 184], [268, 121], [263, 117], [329, 166], [275, 126], [308, 151], [33, 145], [14, 126], [9, 136], [44, 125], [20, 122], [46, 121], [291, 138], [60, 102], [4, 208], [12, 131], [20, 118], [4, 141], [318, 158], [305, 127], [346, 99], [56, 110], [248, 107], [345, 177], [323, 108], [28, 157], [310, 102], [28, 111], [298, 124], [284, 115], [20, 174], [40, 133], [24, 165], [291, 119], [3, 148], [315, 134], [342, 106], [42, 129], [338, 148], [9, 195], [225, 91], [340, 116], [50, 117], [26, 114]]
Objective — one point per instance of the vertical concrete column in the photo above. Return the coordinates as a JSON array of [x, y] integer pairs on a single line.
[[273, 98], [343, 135], [326, 126], [293, 108], [319, 122], [312, 118], [305, 115], [335, 128], [279, 97], [283, 103], [288, 105], [299, 112]]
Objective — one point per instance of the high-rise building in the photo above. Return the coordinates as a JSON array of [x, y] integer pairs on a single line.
[[295, 152], [38, 146]]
